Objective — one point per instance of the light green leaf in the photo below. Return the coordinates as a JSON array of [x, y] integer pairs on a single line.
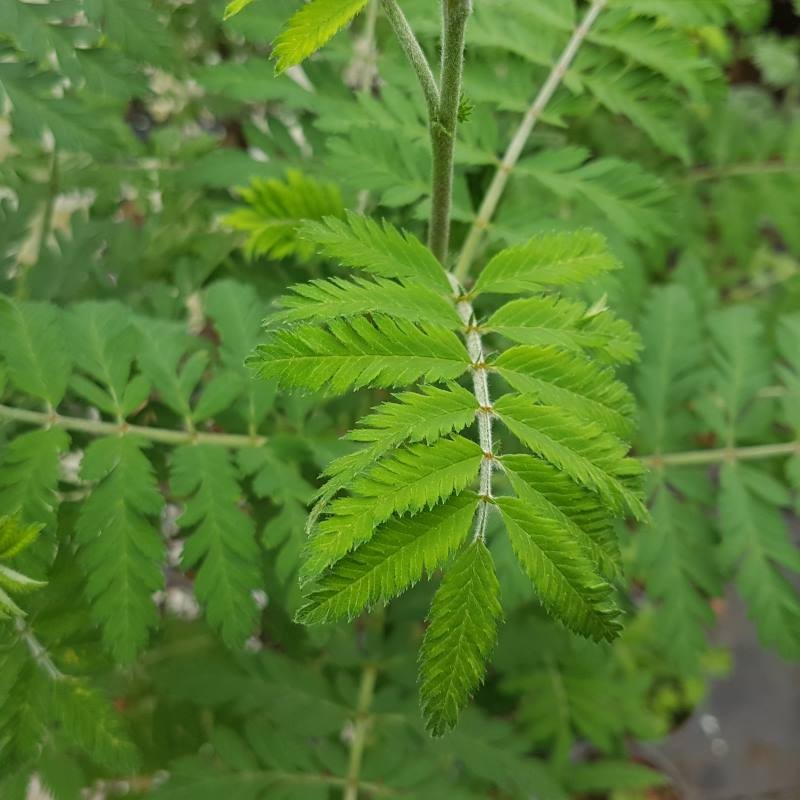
[[582, 450], [383, 250], [395, 558], [235, 7], [426, 415], [560, 322], [553, 494], [275, 210], [571, 382], [461, 633], [409, 480], [316, 23], [554, 259], [323, 300], [359, 352], [564, 576]]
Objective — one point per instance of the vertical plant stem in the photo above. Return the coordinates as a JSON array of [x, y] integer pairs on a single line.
[[512, 155], [415, 55], [366, 692], [455, 14], [485, 415]]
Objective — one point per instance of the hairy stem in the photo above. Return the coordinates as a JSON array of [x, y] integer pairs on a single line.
[[415, 55], [754, 169], [512, 155], [480, 384], [721, 455], [236, 441], [38, 651], [366, 692], [455, 14], [99, 428]]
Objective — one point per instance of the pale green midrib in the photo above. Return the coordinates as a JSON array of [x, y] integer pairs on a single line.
[[235, 441]]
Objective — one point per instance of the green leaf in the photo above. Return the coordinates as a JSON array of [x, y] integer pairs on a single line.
[[609, 775], [237, 311], [756, 544], [557, 321], [383, 250], [275, 211], [221, 549], [669, 372], [571, 382], [564, 576], [235, 7], [582, 450], [323, 300], [121, 549], [422, 416], [15, 535], [359, 352], [395, 558], [104, 344], [34, 349], [162, 347], [553, 494], [29, 474], [136, 28], [311, 28], [462, 629], [14, 538], [414, 478], [554, 259], [677, 559]]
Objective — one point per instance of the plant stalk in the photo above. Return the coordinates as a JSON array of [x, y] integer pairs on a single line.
[[235, 441], [99, 428], [444, 125], [512, 155], [366, 692], [38, 652], [415, 55], [485, 414], [721, 455]]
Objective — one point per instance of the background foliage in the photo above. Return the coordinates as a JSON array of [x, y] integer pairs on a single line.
[[153, 173]]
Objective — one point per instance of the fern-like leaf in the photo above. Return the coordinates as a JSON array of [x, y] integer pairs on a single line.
[[29, 470], [571, 382], [311, 28], [359, 352], [14, 538], [563, 576], [556, 259], [274, 211], [34, 348], [383, 250], [222, 547], [414, 478], [554, 495], [462, 628], [120, 548], [582, 450], [323, 300], [757, 546], [395, 558], [557, 321], [426, 416]]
